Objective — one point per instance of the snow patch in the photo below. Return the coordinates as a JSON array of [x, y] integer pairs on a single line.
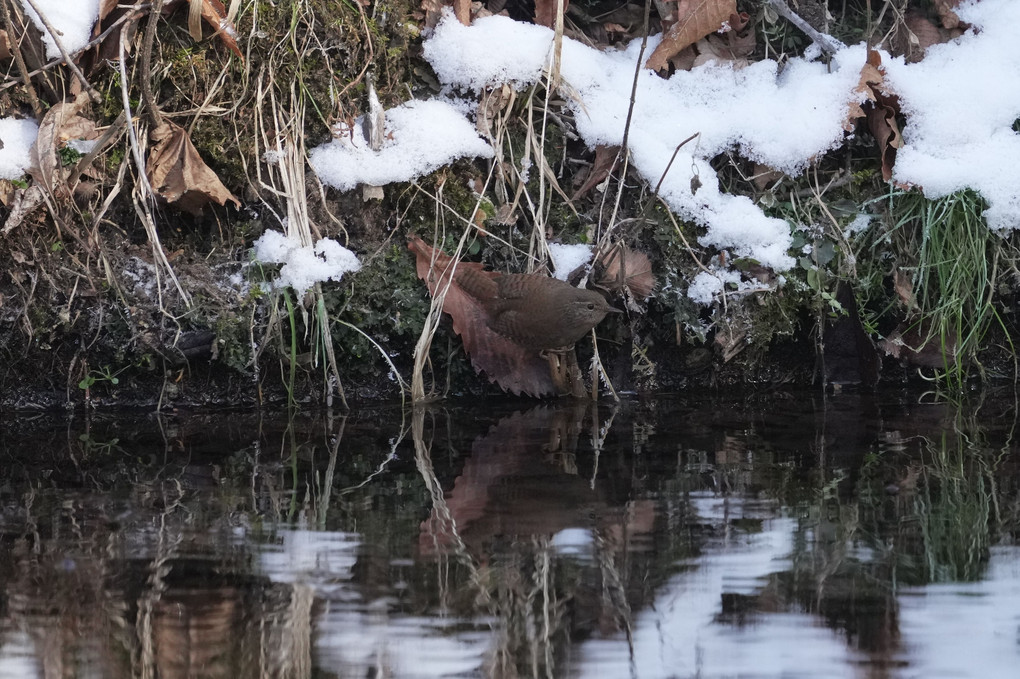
[[304, 266], [73, 21], [566, 258], [17, 137], [421, 136]]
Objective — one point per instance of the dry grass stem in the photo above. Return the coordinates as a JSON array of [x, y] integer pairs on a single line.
[[143, 196]]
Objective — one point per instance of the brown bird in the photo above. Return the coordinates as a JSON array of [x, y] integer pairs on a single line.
[[533, 310], [508, 320]]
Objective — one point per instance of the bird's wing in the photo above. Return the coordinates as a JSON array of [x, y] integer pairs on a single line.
[[511, 366]]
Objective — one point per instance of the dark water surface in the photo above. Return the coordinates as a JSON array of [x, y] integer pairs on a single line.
[[785, 535]]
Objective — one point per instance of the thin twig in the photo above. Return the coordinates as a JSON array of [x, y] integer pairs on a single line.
[[143, 188], [151, 109], [19, 58], [114, 130], [670, 163], [827, 43], [624, 152]]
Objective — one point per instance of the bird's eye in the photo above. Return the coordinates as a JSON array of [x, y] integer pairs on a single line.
[[591, 307]]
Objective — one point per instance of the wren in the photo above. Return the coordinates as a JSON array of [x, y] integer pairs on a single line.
[[517, 328], [534, 310]]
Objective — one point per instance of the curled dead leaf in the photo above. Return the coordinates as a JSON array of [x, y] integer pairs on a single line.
[[493, 102], [23, 205], [107, 51], [60, 125], [462, 10], [904, 287], [621, 268], [695, 20], [215, 14], [871, 78], [178, 173], [505, 215], [605, 156], [880, 109], [886, 131], [735, 45]]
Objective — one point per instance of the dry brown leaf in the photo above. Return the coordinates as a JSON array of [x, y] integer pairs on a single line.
[[493, 102], [7, 192], [904, 287], [871, 78], [621, 268], [545, 12], [765, 176], [735, 45], [462, 10], [605, 156], [24, 204], [510, 365], [695, 20], [505, 215], [215, 14], [179, 175], [60, 124], [880, 109], [684, 59], [109, 49], [914, 35], [946, 14], [5, 46], [433, 12], [105, 8], [886, 131]]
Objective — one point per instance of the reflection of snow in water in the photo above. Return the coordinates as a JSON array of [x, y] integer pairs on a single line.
[[18, 656], [308, 556], [949, 630], [349, 633], [966, 629], [958, 630], [679, 636], [574, 542], [404, 646]]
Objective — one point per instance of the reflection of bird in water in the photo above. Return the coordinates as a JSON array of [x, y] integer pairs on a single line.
[[519, 509], [506, 320], [514, 483], [521, 480]]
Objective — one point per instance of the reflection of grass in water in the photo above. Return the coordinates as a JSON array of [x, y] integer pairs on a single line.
[[954, 515]]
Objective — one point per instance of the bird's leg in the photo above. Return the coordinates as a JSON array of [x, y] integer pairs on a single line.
[[565, 372]]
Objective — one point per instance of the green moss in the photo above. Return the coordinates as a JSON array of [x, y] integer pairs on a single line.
[[233, 343], [388, 302]]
